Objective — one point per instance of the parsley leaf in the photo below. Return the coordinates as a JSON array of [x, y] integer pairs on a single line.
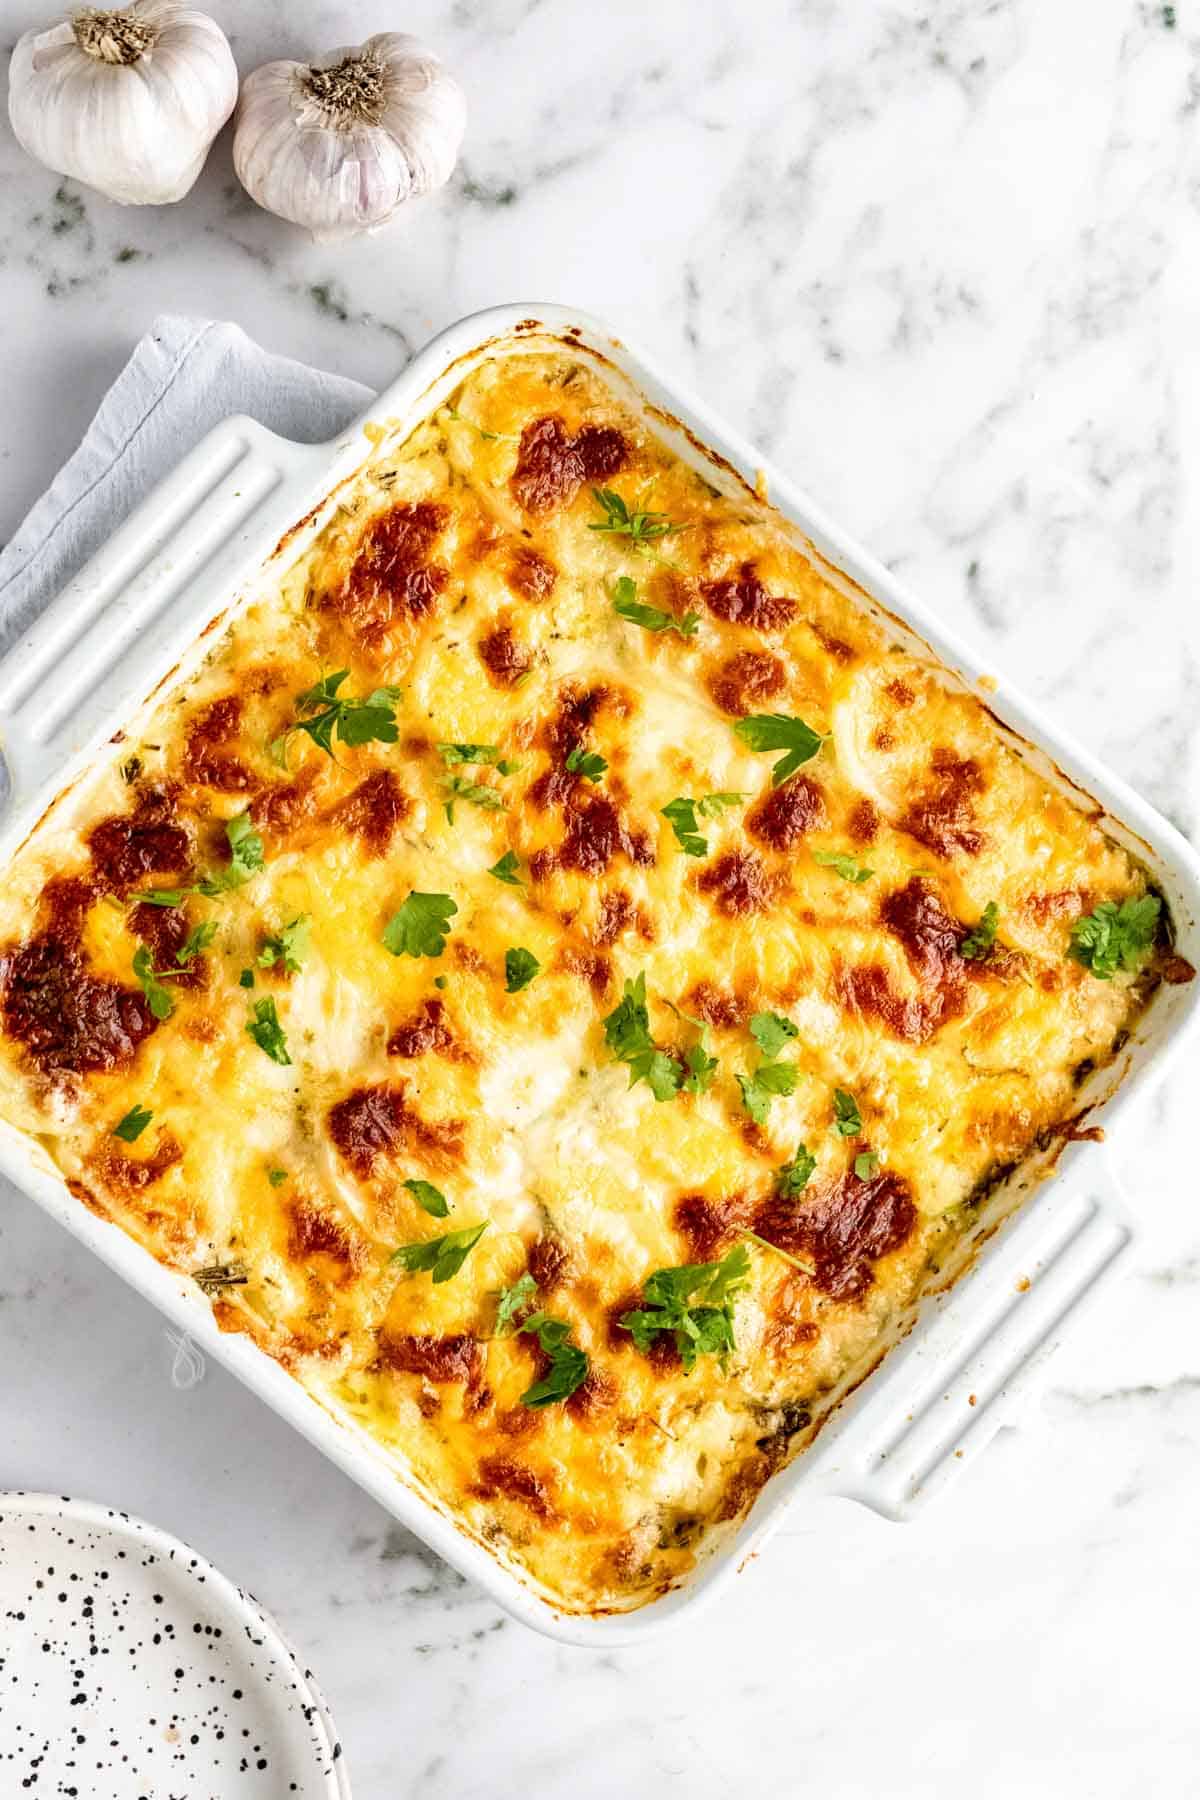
[[332, 715], [695, 1303], [246, 978], [421, 925], [568, 1363], [457, 787], [843, 865], [452, 754], [131, 1127], [778, 731], [701, 1068], [277, 1177], [847, 1120], [506, 869], [289, 947], [430, 1198], [641, 528], [161, 896], [681, 816], [267, 1032], [771, 1032], [793, 1177], [157, 996], [709, 806], [865, 1164], [512, 1301], [1115, 937], [651, 618], [627, 1035], [441, 1257], [196, 942], [760, 1088], [586, 763], [977, 945], [245, 859], [520, 967]]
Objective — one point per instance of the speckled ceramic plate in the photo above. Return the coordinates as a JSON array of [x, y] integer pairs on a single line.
[[131, 1669]]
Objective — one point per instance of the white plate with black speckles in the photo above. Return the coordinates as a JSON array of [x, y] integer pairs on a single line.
[[131, 1669]]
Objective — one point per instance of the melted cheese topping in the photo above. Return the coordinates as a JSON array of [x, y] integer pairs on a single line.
[[464, 567]]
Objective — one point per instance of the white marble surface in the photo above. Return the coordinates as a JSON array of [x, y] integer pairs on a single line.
[[944, 263]]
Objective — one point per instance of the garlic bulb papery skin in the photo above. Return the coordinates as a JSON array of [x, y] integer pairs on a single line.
[[126, 101], [339, 145]]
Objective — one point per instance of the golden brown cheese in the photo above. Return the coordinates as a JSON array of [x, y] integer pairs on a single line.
[[465, 569]]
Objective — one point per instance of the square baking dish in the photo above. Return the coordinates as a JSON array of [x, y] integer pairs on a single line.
[[224, 525]]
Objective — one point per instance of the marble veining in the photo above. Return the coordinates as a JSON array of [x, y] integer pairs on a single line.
[[943, 262]]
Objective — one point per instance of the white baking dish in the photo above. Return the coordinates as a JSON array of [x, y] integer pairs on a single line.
[[130, 623]]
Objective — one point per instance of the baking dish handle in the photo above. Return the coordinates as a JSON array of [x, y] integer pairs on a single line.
[[977, 1360], [136, 606]]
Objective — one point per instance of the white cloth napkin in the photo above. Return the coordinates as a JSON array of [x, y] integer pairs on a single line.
[[184, 377]]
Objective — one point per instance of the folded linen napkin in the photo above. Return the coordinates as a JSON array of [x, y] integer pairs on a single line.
[[184, 377]]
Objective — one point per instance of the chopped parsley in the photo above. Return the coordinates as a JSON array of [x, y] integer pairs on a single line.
[[267, 1032], [843, 865], [196, 942], [847, 1120], [1115, 937], [441, 1257], [277, 1177], [131, 1127], [331, 715], [586, 763], [771, 1032], [568, 1363], [793, 1177], [506, 869], [246, 978], [520, 967], [512, 1302], [639, 526], [651, 618], [477, 793], [865, 1164], [695, 1304], [977, 945], [158, 998], [767, 1081], [288, 947], [245, 859], [421, 925], [430, 1198], [779, 731], [681, 816], [627, 1035], [452, 754]]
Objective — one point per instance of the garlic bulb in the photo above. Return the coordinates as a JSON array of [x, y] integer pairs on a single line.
[[126, 101], [340, 144]]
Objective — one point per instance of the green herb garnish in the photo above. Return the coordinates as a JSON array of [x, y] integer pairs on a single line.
[[586, 763], [246, 978], [843, 865], [771, 1032], [441, 1257], [793, 1177], [695, 1303], [520, 967], [131, 1127], [421, 925], [267, 1032], [158, 997], [430, 1198], [288, 947], [865, 1164], [767, 1081], [778, 731], [506, 869], [245, 859], [640, 527], [1115, 937], [681, 816], [627, 1035], [651, 618], [277, 1177], [452, 754], [196, 942], [477, 793], [568, 1363], [977, 945], [332, 715], [847, 1120], [512, 1301]]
